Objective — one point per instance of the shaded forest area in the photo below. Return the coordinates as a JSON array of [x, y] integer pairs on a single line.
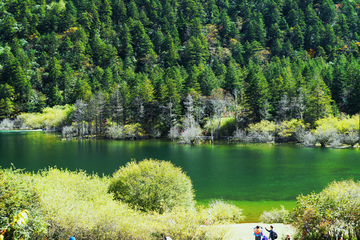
[[138, 61]]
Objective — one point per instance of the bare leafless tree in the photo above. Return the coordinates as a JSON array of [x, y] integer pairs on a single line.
[[115, 104], [191, 130], [79, 115]]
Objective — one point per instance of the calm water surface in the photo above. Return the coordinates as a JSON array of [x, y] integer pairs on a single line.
[[256, 177]]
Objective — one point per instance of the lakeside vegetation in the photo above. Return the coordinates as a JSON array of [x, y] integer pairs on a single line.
[[137, 62], [61, 203], [72, 122]]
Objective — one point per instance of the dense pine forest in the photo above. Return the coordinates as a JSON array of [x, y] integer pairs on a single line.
[[138, 61]]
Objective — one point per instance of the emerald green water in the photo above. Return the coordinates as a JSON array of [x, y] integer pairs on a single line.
[[256, 177]]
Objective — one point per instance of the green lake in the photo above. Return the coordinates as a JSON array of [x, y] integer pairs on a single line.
[[255, 177]]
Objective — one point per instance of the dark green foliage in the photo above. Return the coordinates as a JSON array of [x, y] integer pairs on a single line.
[[55, 52]]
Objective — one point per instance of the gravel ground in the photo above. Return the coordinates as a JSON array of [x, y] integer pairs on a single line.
[[244, 231]]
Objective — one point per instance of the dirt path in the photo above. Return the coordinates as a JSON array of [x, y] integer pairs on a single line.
[[244, 231]]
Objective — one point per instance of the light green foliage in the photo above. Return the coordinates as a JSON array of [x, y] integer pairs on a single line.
[[288, 128], [77, 204], [134, 131], [152, 185], [332, 130], [182, 223], [49, 118], [335, 209], [18, 193], [261, 132], [343, 125], [226, 126], [275, 216], [221, 211], [62, 203], [263, 126], [129, 131]]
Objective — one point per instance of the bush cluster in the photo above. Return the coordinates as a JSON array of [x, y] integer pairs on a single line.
[[275, 216], [129, 131], [221, 211], [334, 212], [266, 131], [223, 127], [63, 203], [50, 118], [331, 131]]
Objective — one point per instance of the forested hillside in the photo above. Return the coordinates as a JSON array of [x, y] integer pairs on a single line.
[[138, 60]]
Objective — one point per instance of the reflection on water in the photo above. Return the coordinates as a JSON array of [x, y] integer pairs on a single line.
[[237, 172]]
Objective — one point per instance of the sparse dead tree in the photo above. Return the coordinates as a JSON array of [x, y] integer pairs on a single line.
[[115, 104], [264, 111], [219, 101], [191, 130], [79, 116], [95, 110], [283, 108], [298, 105]]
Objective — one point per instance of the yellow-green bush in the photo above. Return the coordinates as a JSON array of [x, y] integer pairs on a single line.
[[221, 211], [227, 126], [343, 126], [62, 203], [275, 215], [152, 185], [18, 194], [134, 131], [182, 223], [263, 126], [77, 204], [50, 117], [288, 128]]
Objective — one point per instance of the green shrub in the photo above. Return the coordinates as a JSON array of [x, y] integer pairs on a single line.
[[115, 131], [336, 209], [221, 211], [182, 223], [275, 216], [17, 194], [62, 203], [287, 128], [152, 185], [57, 116], [226, 126], [344, 125], [263, 126], [77, 204]]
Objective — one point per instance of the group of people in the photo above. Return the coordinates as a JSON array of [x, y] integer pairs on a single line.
[[259, 235]]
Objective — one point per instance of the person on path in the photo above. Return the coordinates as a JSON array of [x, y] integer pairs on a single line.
[[271, 235], [258, 232], [287, 237]]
